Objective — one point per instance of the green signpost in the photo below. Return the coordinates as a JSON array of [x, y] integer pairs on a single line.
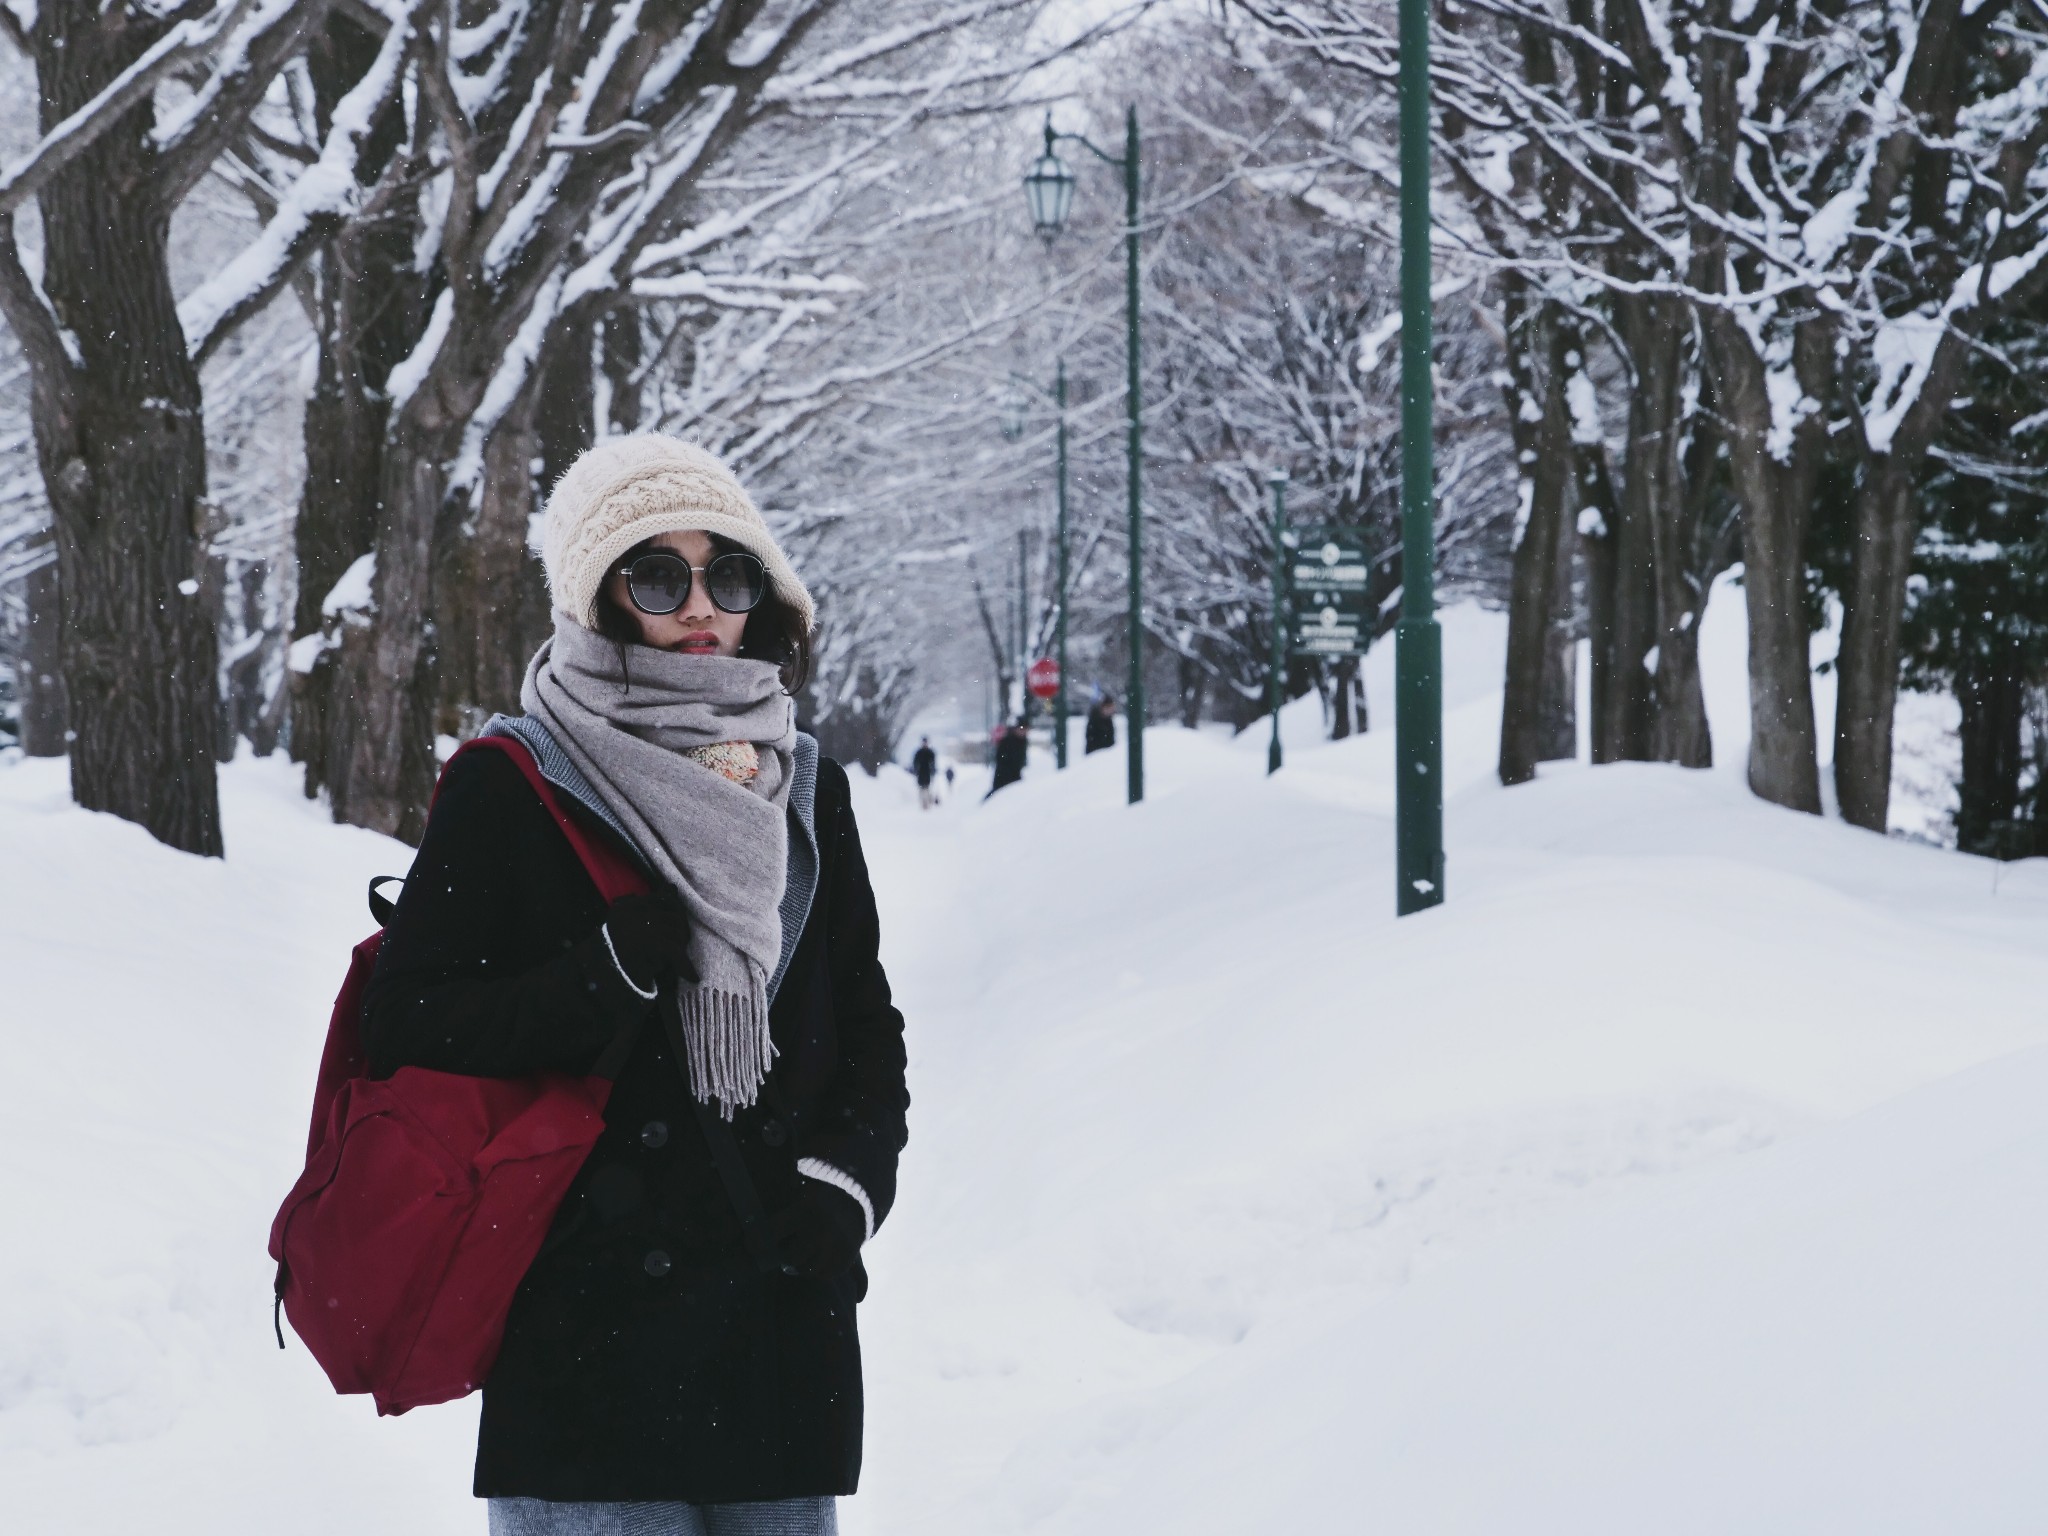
[[1330, 605], [1320, 606]]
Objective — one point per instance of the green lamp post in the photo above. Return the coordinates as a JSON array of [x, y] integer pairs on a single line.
[[1418, 642], [1276, 683], [1049, 188]]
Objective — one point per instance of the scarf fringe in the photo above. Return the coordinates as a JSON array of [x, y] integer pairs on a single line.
[[725, 1037]]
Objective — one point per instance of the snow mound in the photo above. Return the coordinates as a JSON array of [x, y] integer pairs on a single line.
[[1843, 1333], [1205, 1143]]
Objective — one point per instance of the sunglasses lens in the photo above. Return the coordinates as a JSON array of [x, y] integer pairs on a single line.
[[736, 582], [658, 583]]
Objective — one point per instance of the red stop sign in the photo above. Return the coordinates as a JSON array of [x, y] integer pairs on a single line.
[[1043, 678]]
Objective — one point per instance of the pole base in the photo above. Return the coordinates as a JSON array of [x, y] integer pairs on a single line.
[[1418, 766]]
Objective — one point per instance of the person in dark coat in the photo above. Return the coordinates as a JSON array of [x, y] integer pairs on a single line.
[[1013, 746], [924, 763], [1101, 730], [659, 1372]]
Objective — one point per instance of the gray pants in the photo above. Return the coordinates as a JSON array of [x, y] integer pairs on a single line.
[[783, 1517]]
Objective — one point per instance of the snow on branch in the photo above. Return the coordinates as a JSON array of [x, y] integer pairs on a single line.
[[56, 149], [816, 82], [230, 64], [1903, 349], [322, 194]]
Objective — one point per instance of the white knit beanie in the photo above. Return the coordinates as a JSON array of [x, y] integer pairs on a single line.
[[631, 488]]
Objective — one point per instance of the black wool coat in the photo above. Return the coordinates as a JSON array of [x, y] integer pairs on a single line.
[[646, 1358]]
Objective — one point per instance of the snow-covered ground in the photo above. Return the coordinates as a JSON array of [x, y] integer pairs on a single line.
[[1682, 1173]]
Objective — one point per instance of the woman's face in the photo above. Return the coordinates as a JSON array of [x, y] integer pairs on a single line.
[[700, 627]]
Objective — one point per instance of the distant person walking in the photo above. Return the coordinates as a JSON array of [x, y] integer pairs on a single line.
[[1013, 745], [924, 762], [1101, 726]]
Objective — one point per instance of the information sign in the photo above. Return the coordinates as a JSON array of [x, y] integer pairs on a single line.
[[1329, 571]]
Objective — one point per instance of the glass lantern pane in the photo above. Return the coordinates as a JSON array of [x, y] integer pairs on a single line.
[[1049, 188]]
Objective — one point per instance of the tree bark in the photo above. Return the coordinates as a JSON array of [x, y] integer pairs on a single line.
[[1560, 693], [1628, 727], [368, 316], [1193, 691], [622, 352], [380, 750], [1542, 434], [1874, 606], [492, 597], [1873, 610], [122, 447], [565, 409], [43, 716], [1347, 700], [1992, 691], [1655, 331], [1775, 495]]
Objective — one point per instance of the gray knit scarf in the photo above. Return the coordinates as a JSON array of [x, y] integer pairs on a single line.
[[723, 845]]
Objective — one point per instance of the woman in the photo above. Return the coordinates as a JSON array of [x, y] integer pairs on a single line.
[[668, 1367]]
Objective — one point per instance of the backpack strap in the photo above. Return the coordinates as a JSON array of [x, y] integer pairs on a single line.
[[610, 870], [382, 907]]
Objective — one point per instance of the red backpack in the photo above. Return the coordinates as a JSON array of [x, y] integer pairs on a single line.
[[427, 1195]]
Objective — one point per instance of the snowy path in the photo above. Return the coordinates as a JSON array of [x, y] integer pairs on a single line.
[[1611, 1197], [1181, 1105]]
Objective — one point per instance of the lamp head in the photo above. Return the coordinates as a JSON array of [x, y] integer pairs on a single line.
[[1049, 188]]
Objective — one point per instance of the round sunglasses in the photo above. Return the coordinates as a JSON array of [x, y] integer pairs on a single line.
[[659, 582]]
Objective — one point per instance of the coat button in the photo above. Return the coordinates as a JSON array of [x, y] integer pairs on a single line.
[[654, 1133], [774, 1132], [656, 1263]]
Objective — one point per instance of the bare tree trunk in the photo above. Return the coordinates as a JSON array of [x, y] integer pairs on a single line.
[[250, 712], [1193, 691], [122, 448], [1347, 700], [1542, 432], [1874, 607], [1597, 517], [619, 336], [1993, 694], [43, 716], [368, 316], [1598, 546], [1887, 521], [1656, 335], [565, 404], [1560, 694], [1627, 727], [1775, 495], [492, 596], [380, 748]]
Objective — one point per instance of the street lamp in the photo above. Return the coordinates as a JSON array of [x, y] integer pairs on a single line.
[[1049, 188], [1418, 642]]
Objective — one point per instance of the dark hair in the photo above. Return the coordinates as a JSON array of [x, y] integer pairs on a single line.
[[775, 630]]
